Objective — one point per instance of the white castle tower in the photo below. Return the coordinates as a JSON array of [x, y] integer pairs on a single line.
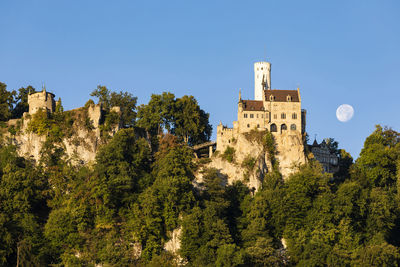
[[262, 78]]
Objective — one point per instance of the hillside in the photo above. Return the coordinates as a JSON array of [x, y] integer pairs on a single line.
[[127, 190]]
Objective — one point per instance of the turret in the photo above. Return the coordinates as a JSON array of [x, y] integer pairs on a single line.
[[262, 78]]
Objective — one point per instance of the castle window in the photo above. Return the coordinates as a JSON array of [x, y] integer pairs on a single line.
[[271, 98], [283, 116], [294, 116], [262, 115], [283, 127], [251, 116], [273, 128], [248, 125], [245, 115], [288, 98], [275, 116], [257, 116], [293, 127], [258, 125]]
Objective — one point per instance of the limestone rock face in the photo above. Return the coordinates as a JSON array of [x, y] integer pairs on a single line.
[[80, 147], [174, 244], [235, 170], [290, 152]]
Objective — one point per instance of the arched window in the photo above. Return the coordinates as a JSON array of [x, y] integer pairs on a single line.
[[271, 98], [258, 125], [288, 98], [273, 128], [283, 127], [294, 116], [248, 125], [283, 116], [293, 127]]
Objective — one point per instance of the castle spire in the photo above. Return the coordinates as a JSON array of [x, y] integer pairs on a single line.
[[240, 94]]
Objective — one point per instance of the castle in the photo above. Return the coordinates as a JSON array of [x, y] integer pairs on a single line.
[[278, 111]]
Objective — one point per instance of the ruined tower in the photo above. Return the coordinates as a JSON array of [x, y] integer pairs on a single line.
[[41, 100]]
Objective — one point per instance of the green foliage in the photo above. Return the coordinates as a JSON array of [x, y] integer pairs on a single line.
[[21, 101], [182, 117], [229, 154], [191, 122], [124, 100], [6, 102], [345, 162], [378, 158], [22, 210], [266, 139], [40, 123], [137, 193], [159, 208], [249, 162]]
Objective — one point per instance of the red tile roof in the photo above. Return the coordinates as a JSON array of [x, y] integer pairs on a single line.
[[281, 95], [253, 105]]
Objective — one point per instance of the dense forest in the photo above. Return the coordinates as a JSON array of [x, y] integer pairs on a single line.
[[123, 208]]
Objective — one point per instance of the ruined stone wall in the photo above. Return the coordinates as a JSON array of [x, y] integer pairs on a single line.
[[94, 114], [225, 136]]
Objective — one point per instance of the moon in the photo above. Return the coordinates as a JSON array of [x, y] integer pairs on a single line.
[[344, 113]]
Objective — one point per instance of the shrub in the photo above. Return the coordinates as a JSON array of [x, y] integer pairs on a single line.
[[229, 154], [249, 162]]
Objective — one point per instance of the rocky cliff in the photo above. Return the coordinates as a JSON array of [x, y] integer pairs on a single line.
[[77, 133]]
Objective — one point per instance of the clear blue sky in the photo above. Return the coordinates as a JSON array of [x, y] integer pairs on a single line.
[[336, 51]]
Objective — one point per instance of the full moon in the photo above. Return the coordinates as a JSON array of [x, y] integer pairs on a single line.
[[344, 113]]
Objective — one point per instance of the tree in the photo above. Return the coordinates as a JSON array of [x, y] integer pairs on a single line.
[[103, 94], [160, 207], [206, 229], [122, 166], [332, 146], [6, 102], [377, 163], [191, 122], [21, 101], [124, 100], [182, 117], [127, 103], [23, 209], [345, 162], [158, 115], [150, 116]]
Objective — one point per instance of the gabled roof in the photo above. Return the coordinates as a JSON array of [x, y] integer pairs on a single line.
[[281, 95], [253, 105]]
